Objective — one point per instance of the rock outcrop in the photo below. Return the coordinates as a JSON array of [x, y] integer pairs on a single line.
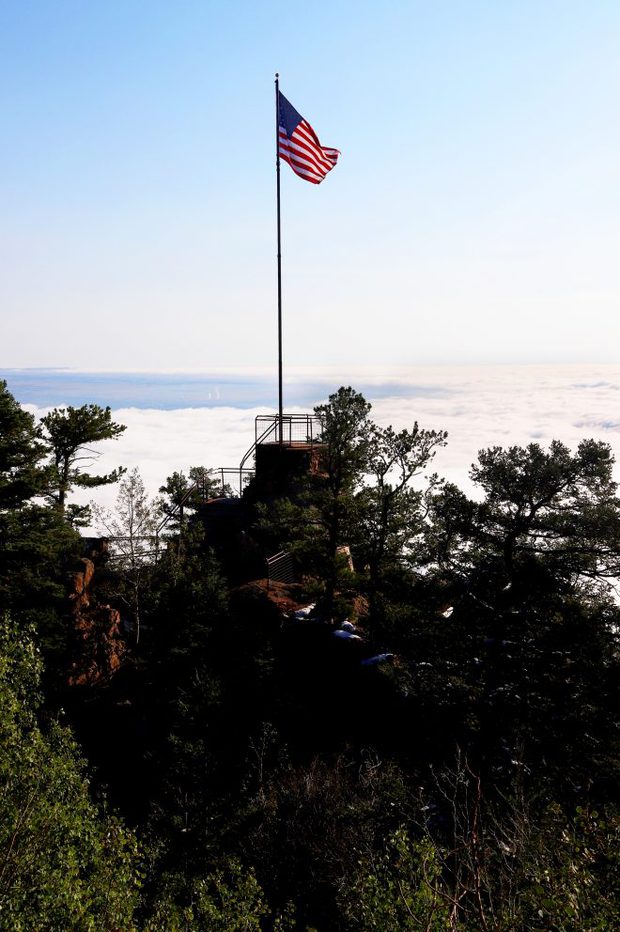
[[97, 645]]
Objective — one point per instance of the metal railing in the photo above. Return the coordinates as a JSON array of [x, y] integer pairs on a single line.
[[143, 549], [232, 483], [280, 567], [293, 428], [268, 428], [233, 480]]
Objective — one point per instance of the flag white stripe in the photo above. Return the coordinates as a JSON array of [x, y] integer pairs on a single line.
[[301, 152], [311, 141], [302, 169]]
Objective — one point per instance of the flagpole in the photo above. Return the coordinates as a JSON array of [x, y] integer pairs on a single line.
[[279, 259]]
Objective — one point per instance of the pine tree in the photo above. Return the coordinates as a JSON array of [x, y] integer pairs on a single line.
[[34, 542], [71, 432], [21, 450]]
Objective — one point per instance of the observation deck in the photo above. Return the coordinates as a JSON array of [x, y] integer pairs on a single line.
[[282, 447]]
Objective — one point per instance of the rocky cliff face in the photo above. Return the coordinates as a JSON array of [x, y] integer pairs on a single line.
[[98, 647]]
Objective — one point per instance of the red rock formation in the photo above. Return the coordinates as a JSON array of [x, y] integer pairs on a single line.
[[98, 646]]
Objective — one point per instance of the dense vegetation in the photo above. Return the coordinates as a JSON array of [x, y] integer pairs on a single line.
[[447, 761]]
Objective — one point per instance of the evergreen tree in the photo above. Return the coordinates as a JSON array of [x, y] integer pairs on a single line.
[[35, 544], [345, 429], [70, 433], [21, 450], [553, 508], [391, 512], [532, 644], [183, 493]]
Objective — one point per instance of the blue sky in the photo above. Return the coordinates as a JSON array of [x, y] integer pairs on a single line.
[[473, 217]]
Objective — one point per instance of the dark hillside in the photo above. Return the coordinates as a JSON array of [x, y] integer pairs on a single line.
[[415, 726]]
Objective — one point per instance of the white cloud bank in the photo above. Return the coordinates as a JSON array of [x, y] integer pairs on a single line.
[[513, 406], [478, 406]]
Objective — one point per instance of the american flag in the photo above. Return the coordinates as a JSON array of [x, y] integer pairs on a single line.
[[300, 146]]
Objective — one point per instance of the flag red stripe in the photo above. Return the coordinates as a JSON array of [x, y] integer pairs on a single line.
[[304, 165], [303, 139], [302, 170], [295, 158], [318, 157], [304, 157], [305, 130], [302, 152], [293, 145]]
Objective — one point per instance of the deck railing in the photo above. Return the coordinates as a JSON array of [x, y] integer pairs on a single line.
[[268, 428], [280, 567], [292, 428]]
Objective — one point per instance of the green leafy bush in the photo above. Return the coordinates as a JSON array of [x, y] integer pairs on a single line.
[[63, 866]]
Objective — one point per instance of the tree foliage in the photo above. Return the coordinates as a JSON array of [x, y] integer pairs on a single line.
[[181, 495], [35, 544], [369, 496], [132, 527], [21, 451], [449, 761], [62, 864], [553, 507], [345, 429], [392, 512], [228, 899], [71, 433]]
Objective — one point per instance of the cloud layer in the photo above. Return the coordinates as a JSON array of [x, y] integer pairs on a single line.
[[479, 407]]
